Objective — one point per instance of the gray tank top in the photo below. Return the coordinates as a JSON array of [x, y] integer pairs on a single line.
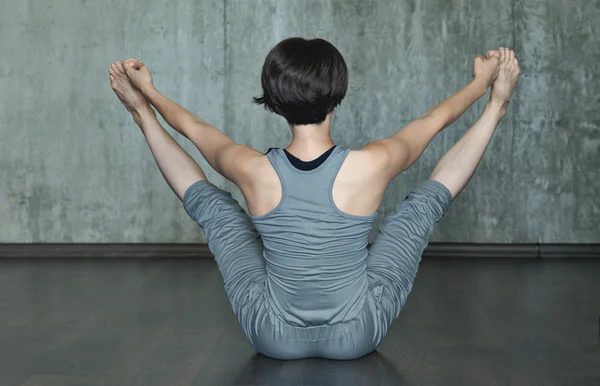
[[315, 254]]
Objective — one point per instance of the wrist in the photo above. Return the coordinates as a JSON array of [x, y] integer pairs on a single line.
[[481, 85], [148, 90]]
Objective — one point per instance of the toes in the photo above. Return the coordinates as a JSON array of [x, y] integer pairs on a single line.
[[514, 61], [119, 66]]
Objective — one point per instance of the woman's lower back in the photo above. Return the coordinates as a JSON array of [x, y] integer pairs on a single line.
[[320, 293]]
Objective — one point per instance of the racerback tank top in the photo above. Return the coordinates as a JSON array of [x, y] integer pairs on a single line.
[[315, 254]]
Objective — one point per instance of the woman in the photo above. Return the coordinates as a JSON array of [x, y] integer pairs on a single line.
[[298, 271]]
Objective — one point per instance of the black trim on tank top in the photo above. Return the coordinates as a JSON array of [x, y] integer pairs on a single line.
[[306, 165]]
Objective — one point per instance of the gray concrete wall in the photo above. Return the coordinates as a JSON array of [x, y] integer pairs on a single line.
[[75, 168]]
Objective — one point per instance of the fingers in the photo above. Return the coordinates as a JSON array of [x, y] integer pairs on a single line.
[[495, 54], [121, 68], [128, 66], [132, 63], [489, 54], [478, 62], [135, 64], [131, 67]]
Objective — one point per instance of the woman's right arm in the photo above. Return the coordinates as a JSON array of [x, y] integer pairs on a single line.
[[402, 149]]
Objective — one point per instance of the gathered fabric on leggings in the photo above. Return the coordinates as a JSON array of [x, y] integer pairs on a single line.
[[395, 254], [233, 241], [391, 266]]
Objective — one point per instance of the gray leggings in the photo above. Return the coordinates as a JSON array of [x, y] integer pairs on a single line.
[[392, 266]]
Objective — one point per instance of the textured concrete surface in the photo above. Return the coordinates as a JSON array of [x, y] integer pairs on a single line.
[[75, 168]]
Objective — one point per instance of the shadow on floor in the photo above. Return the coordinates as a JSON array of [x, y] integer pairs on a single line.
[[372, 369]]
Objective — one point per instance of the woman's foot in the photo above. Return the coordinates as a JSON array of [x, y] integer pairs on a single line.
[[131, 97], [508, 76]]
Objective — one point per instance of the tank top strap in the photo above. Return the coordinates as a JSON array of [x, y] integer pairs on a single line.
[[275, 156], [339, 157]]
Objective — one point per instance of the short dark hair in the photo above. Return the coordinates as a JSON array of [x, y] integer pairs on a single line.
[[303, 80]]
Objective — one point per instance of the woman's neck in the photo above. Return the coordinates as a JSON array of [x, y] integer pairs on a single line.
[[307, 149], [310, 141]]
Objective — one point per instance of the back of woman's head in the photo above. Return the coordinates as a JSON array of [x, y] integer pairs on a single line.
[[303, 80]]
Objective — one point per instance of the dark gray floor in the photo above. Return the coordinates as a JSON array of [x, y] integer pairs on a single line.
[[168, 322]]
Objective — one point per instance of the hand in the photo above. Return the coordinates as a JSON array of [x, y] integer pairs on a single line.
[[138, 74], [486, 69]]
